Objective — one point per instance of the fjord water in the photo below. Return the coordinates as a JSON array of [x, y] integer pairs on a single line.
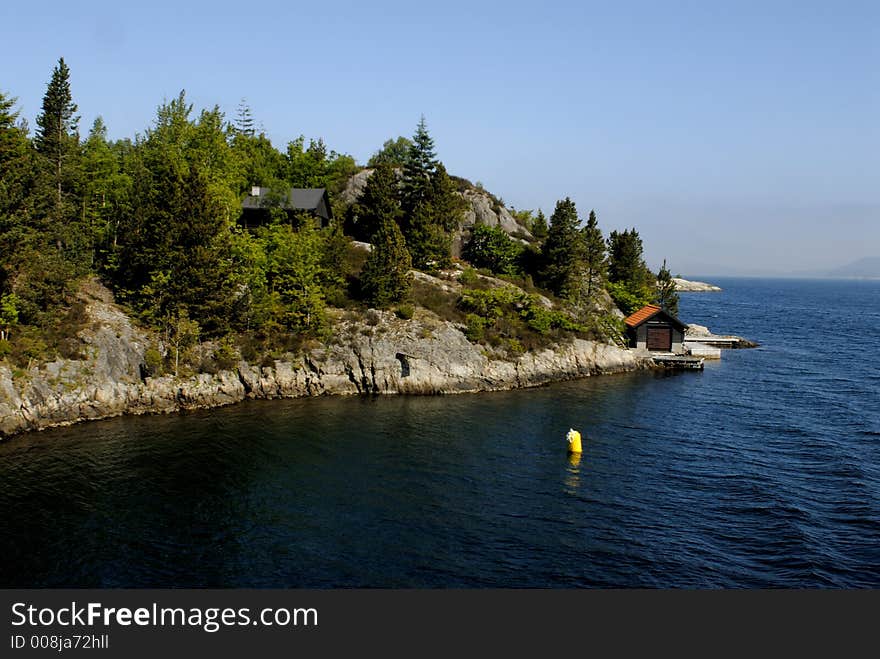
[[761, 471]]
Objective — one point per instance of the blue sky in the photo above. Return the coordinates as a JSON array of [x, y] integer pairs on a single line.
[[737, 137]]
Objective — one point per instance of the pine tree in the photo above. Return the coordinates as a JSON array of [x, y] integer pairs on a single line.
[[594, 255], [667, 297], [56, 136], [386, 277], [563, 252]]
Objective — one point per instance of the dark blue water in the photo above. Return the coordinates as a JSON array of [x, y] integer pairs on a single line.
[[761, 471]]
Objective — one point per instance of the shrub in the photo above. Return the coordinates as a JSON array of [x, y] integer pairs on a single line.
[[468, 277], [405, 311], [476, 326], [491, 247], [225, 356], [153, 362]]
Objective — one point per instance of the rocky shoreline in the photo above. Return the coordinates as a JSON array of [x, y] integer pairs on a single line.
[[379, 355]]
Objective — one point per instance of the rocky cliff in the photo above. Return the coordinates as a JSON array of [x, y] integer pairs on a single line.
[[374, 354]]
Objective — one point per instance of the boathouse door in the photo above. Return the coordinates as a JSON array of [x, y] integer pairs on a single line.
[[660, 339]]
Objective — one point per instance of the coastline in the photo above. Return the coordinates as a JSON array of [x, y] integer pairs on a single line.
[[423, 356]]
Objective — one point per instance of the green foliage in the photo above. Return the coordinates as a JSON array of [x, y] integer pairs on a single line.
[[153, 362], [631, 284], [295, 269], [393, 153], [386, 277], [405, 311], [183, 333], [510, 311], [313, 166], [666, 296], [56, 137], [378, 203], [563, 252], [8, 314], [627, 299], [539, 226], [431, 207], [475, 326], [468, 277], [225, 355], [157, 218], [595, 265], [491, 247], [244, 120]]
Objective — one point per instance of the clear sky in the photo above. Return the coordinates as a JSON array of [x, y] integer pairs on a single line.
[[738, 137]]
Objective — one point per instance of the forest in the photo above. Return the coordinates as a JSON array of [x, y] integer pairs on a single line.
[[156, 219]]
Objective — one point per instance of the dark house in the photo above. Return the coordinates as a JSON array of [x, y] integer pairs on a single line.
[[255, 207], [653, 329]]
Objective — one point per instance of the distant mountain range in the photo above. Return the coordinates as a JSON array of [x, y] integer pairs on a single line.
[[864, 268], [868, 267]]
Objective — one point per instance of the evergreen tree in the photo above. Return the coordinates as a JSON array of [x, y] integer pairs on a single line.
[[244, 120], [420, 164], [563, 252], [386, 277], [379, 202], [56, 136], [16, 162], [667, 297], [103, 185], [631, 283], [431, 207], [539, 225], [594, 255], [16, 180]]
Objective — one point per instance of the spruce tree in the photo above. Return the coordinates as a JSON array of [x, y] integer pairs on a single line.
[[386, 277], [539, 225], [631, 283], [667, 297], [56, 136], [378, 202], [594, 255], [431, 207], [420, 164], [563, 252]]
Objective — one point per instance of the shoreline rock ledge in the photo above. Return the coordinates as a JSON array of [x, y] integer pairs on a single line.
[[388, 355]]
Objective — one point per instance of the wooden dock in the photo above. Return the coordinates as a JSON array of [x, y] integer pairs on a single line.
[[683, 362]]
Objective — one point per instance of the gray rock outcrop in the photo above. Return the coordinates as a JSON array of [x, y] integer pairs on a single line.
[[481, 209], [381, 354], [685, 286]]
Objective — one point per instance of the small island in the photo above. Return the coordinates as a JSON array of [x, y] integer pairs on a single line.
[[685, 286], [197, 266]]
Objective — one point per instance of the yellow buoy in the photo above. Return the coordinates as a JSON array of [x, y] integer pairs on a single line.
[[574, 441]]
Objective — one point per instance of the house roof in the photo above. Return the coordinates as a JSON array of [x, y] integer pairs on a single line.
[[306, 199], [651, 311]]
